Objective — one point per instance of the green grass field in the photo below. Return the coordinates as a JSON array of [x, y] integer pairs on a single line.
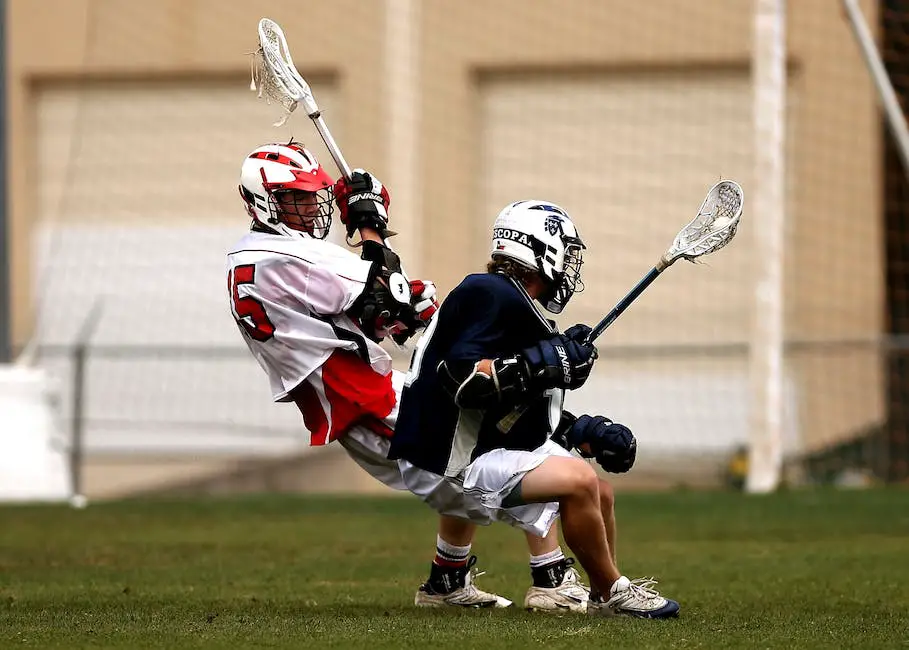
[[795, 570]]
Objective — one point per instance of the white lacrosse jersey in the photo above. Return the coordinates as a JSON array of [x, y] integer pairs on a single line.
[[289, 297]]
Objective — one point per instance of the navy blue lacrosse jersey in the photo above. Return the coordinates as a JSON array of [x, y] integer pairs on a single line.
[[487, 316]]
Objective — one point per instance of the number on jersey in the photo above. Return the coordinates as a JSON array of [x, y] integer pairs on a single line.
[[249, 312]]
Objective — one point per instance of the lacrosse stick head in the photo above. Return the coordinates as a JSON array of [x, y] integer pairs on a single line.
[[275, 75], [713, 227]]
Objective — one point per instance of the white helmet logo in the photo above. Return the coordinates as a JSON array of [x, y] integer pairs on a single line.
[[399, 288], [553, 224]]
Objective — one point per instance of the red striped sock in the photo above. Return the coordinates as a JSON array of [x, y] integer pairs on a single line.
[[449, 555]]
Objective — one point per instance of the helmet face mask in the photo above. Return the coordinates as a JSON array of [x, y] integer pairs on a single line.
[[302, 211], [286, 190], [567, 282], [541, 236]]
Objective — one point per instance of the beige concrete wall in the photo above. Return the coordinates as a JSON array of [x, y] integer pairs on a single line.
[[833, 272], [834, 237], [91, 40]]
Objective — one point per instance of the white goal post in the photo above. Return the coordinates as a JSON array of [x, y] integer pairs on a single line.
[[766, 361]]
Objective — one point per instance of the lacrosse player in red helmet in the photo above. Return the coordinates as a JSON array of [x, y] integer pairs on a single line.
[[312, 314]]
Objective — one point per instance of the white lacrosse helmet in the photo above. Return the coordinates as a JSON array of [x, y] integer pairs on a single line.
[[286, 190], [541, 236]]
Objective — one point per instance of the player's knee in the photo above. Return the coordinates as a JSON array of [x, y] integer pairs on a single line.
[[585, 482]]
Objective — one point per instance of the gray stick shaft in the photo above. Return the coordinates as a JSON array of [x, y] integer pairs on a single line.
[[331, 145], [343, 167], [895, 118]]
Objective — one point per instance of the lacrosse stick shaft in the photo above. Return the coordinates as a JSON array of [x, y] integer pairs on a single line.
[[338, 157], [623, 304], [331, 145], [341, 163]]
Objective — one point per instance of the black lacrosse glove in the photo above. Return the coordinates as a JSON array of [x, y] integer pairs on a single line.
[[612, 445], [578, 332], [363, 203], [384, 308], [558, 362]]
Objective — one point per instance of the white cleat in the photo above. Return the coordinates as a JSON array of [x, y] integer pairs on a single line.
[[570, 596], [467, 595], [634, 598]]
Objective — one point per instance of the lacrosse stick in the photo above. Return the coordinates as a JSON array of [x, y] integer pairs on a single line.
[[712, 228], [280, 82]]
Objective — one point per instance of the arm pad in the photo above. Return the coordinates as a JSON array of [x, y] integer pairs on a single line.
[[376, 253], [473, 389], [385, 301]]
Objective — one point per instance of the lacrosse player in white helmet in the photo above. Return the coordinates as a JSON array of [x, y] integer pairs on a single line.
[[312, 314], [481, 411]]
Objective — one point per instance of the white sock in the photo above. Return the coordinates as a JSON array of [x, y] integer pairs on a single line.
[[449, 554], [546, 558], [619, 585]]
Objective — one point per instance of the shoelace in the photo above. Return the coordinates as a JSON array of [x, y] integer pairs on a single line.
[[573, 577], [472, 574], [642, 587], [571, 574]]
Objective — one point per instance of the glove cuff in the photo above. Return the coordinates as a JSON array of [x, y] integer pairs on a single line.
[[386, 258], [562, 433]]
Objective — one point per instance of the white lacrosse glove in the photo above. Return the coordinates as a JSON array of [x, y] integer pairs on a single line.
[[424, 301], [424, 306]]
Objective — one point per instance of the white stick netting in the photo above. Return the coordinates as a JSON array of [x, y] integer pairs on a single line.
[[273, 72], [713, 227]]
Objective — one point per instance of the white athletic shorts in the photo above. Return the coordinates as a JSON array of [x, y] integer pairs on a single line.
[[477, 492], [370, 451]]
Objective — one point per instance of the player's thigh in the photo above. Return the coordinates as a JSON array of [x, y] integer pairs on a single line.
[[559, 477], [443, 494], [495, 474], [370, 451], [478, 503]]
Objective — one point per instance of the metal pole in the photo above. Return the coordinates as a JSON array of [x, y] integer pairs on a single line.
[[894, 113], [81, 351], [6, 307], [80, 354]]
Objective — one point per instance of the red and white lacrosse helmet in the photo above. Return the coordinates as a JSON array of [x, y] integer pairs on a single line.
[[286, 190]]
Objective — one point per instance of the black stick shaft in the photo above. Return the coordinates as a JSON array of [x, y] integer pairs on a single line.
[[623, 304]]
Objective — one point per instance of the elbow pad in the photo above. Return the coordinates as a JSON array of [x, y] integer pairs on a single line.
[[382, 255], [384, 306], [473, 389]]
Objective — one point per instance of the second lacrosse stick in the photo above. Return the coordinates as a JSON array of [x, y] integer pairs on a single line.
[[713, 227]]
